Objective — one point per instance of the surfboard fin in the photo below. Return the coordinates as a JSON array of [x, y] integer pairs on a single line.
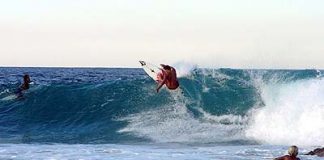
[[142, 63]]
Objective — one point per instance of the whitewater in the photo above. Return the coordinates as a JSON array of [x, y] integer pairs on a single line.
[[115, 113]]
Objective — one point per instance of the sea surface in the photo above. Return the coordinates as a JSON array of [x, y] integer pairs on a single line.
[[115, 113]]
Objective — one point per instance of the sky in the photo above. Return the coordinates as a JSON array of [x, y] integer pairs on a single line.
[[118, 33]]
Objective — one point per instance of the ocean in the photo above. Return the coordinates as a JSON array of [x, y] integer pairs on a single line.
[[115, 113]]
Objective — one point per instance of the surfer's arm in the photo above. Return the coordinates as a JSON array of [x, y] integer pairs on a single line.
[[161, 84], [162, 65]]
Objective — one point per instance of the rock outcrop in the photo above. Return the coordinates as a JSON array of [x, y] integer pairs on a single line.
[[318, 151]]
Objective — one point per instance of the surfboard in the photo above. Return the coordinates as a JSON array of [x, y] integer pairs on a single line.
[[150, 69], [9, 98]]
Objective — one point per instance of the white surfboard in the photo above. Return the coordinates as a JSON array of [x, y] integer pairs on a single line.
[[150, 69], [9, 98]]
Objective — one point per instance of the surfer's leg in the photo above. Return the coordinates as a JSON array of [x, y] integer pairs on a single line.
[[18, 92]]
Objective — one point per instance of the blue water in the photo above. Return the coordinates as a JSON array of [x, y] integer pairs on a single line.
[[101, 113]]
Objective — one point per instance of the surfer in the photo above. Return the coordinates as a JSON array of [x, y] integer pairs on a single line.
[[24, 86], [292, 151], [167, 76]]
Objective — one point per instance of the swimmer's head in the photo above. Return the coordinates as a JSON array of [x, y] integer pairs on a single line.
[[293, 151]]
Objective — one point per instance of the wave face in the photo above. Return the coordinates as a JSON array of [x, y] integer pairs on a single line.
[[213, 106]]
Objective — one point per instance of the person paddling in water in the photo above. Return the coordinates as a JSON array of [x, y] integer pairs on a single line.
[[24, 86], [167, 76], [292, 154]]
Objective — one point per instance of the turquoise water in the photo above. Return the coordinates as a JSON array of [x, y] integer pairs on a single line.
[[216, 114]]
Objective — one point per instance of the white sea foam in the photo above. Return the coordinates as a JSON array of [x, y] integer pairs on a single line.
[[293, 113], [184, 68], [175, 123]]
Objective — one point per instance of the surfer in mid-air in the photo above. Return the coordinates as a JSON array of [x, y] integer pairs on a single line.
[[167, 76]]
